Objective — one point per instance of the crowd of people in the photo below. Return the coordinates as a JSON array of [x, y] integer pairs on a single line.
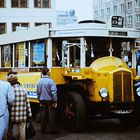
[[15, 107]]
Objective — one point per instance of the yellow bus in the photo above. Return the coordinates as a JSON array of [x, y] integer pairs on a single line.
[[94, 65]]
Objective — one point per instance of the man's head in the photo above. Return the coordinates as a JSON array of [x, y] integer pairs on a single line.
[[45, 71], [11, 72], [12, 77]]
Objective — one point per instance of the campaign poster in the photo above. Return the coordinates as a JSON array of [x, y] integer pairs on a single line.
[[21, 52], [7, 56], [39, 53]]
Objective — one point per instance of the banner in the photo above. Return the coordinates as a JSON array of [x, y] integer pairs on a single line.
[[29, 82]]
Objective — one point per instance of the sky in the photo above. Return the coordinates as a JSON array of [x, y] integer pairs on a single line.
[[83, 8]]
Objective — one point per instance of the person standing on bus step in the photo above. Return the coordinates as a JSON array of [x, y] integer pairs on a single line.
[[7, 97], [47, 95], [20, 110]]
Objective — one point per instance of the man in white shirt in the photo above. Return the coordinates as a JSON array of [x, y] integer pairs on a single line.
[[7, 97]]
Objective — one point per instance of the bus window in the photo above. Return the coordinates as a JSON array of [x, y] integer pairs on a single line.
[[74, 56], [138, 62], [54, 54], [38, 54], [57, 53], [6, 56], [95, 49], [20, 58], [71, 54]]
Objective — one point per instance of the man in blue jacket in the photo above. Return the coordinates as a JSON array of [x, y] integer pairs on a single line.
[[47, 95], [7, 97]]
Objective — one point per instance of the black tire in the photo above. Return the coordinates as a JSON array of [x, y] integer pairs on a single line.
[[73, 111], [129, 123]]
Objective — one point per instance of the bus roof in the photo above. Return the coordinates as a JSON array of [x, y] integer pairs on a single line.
[[75, 30], [94, 30]]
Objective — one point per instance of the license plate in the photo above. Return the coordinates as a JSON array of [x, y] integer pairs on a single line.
[[122, 111]]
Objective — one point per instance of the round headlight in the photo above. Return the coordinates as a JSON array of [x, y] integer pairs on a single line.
[[103, 92], [138, 91]]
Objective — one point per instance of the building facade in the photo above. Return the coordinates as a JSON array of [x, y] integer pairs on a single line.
[[19, 14], [66, 17], [129, 9]]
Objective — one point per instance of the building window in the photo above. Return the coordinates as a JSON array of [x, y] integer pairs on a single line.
[[102, 13], [42, 3], [138, 17], [129, 5], [108, 11], [137, 3], [122, 9], [20, 25], [2, 28], [115, 10], [101, 2], [2, 3], [130, 20], [39, 24], [19, 3], [96, 14], [43, 23], [95, 3]]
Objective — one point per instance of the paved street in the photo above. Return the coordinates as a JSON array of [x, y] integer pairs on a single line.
[[98, 130]]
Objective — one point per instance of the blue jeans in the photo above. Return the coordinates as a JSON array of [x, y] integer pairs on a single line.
[[4, 120]]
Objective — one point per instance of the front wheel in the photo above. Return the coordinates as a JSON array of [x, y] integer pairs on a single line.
[[129, 122], [73, 111]]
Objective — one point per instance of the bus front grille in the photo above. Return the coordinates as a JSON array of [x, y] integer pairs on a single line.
[[122, 86]]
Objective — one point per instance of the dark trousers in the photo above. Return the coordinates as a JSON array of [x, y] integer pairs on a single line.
[[48, 116]]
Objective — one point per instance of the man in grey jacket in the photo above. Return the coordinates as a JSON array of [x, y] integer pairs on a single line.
[[7, 97], [47, 95]]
